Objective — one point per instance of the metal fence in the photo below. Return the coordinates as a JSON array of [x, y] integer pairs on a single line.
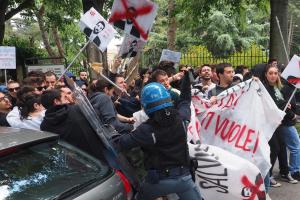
[[201, 55]]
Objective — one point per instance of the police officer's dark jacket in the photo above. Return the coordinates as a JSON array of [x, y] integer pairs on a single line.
[[163, 136]]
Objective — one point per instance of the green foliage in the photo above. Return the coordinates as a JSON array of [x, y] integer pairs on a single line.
[[24, 48], [59, 13], [294, 11], [224, 27]]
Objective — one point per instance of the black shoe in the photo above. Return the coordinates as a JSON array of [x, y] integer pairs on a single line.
[[296, 176]]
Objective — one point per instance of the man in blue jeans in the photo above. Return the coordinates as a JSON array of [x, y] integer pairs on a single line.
[[289, 132], [292, 141], [163, 139]]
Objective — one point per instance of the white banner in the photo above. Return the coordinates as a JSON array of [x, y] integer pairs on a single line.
[[97, 29], [220, 175], [135, 17], [292, 71], [7, 57], [168, 55], [130, 46], [242, 122]]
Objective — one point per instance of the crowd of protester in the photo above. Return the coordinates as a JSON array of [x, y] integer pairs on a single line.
[[42, 102]]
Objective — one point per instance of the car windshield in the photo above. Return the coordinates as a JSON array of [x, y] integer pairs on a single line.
[[46, 170]]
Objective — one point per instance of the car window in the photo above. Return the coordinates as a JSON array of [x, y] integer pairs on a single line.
[[46, 170]]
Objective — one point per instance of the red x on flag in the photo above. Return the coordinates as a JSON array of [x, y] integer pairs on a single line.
[[292, 71], [254, 188], [135, 17]]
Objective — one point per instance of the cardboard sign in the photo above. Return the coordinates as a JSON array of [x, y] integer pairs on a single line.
[[231, 125], [97, 29], [168, 55], [7, 57], [135, 17], [57, 69], [130, 46], [292, 71]]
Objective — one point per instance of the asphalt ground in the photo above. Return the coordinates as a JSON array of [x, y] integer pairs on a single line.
[[287, 191]]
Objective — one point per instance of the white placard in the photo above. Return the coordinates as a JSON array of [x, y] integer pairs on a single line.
[[57, 69], [97, 29], [168, 55], [130, 46], [135, 17], [7, 57]]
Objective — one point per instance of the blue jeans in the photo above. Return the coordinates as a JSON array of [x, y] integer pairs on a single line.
[[267, 183], [183, 186], [292, 141]]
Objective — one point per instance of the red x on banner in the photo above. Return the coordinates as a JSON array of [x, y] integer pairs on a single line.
[[254, 188], [130, 13], [292, 79]]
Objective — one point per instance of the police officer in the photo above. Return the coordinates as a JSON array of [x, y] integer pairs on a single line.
[[163, 140]]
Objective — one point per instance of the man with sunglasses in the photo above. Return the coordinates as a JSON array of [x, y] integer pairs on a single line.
[[36, 82], [13, 87]]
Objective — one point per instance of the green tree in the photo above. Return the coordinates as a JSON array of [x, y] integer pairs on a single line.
[[8, 9], [279, 9]]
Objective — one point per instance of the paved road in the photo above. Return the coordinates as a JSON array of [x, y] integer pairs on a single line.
[[286, 192]]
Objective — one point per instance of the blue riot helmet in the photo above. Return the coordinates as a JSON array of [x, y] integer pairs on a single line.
[[155, 97]]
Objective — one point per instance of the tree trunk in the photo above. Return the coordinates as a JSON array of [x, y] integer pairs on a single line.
[[279, 8], [3, 7], [39, 15], [58, 42], [171, 36], [93, 53]]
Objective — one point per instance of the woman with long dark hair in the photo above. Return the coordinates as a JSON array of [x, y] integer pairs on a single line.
[[32, 112], [273, 85]]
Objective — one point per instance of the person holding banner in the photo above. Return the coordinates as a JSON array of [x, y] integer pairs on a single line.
[[277, 145], [163, 139]]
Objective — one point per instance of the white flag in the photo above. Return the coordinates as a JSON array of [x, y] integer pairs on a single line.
[[135, 17], [292, 71], [130, 46], [97, 29]]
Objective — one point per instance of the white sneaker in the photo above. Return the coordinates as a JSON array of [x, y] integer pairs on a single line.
[[274, 183]]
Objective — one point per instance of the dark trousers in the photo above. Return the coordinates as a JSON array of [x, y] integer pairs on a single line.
[[278, 149]]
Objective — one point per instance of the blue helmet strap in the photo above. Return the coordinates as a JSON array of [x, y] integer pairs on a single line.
[[157, 103]]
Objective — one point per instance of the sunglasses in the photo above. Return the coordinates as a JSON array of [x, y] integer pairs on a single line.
[[41, 88], [13, 89]]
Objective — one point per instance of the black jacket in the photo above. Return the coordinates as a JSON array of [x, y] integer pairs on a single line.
[[288, 119], [70, 124], [163, 137], [3, 121], [105, 109]]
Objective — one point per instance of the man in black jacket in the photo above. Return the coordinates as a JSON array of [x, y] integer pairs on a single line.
[[68, 121], [163, 140]]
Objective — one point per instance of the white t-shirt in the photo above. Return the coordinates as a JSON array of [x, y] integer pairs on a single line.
[[14, 120]]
